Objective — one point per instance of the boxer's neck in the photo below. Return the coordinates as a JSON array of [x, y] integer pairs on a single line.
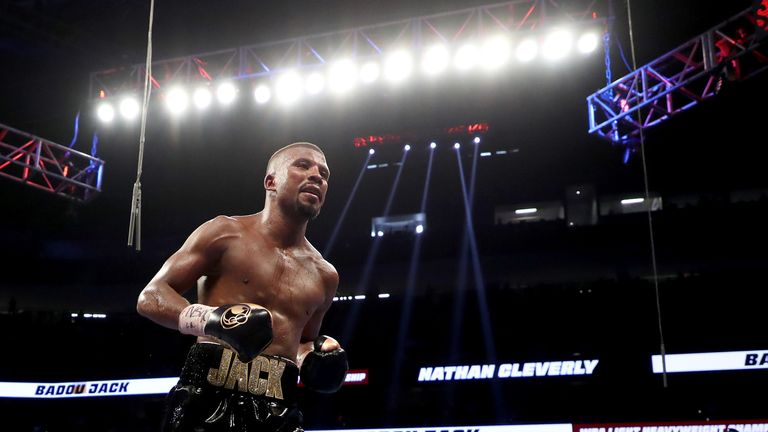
[[284, 230]]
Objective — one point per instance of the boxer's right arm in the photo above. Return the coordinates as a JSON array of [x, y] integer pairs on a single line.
[[161, 299]]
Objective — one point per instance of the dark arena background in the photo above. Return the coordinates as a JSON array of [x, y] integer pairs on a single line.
[[579, 212]]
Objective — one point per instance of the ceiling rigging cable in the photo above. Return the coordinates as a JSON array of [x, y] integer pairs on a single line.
[[648, 211], [134, 228]]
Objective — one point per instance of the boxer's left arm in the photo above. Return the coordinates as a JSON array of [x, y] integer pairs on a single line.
[[322, 361], [311, 330]]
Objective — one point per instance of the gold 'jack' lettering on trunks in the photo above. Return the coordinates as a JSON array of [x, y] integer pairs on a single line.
[[247, 377]]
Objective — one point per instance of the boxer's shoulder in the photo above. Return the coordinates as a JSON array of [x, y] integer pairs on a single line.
[[215, 234], [227, 226], [325, 268], [223, 225]]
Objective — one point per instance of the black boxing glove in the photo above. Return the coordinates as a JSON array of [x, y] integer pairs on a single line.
[[324, 372], [245, 327]]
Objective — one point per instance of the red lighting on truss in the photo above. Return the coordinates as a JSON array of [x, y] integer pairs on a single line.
[[388, 139], [761, 14], [370, 140], [201, 69], [472, 128]]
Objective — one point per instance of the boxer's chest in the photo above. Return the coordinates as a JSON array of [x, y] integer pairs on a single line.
[[286, 280]]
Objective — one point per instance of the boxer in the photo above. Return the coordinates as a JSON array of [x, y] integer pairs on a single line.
[[262, 292]]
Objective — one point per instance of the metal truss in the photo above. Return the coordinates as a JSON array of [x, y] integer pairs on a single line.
[[735, 50], [45, 165], [262, 60]]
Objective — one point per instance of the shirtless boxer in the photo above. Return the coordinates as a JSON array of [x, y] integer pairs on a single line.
[[263, 291]]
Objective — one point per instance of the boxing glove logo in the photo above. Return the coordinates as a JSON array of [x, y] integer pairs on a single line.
[[235, 316]]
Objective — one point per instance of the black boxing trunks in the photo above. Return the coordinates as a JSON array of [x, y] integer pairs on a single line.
[[217, 392]]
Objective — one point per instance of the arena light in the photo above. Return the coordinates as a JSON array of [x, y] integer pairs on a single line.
[[630, 201], [105, 112], [466, 57], [315, 83], [495, 52], [380, 233], [370, 72], [476, 140], [456, 146], [383, 296], [419, 229], [526, 211], [226, 93], [407, 147], [202, 98], [587, 42], [129, 108], [262, 94], [435, 60], [176, 100], [342, 76], [557, 45], [527, 50], [432, 145], [288, 88], [398, 66], [371, 151]]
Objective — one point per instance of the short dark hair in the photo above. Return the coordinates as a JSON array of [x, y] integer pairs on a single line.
[[290, 146]]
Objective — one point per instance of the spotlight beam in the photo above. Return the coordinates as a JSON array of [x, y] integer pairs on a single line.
[[405, 315], [423, 207], [461, 277], [392, 192], [463, 263], [479, 279], [485, 321], [362, 286], [340, 221]]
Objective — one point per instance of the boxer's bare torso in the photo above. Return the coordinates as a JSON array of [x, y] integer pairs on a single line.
[[263, 259], [292, 283]]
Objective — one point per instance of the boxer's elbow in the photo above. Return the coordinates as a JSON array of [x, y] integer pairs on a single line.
[[146, 305]]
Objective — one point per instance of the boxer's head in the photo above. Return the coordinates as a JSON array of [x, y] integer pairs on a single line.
[[297, 179]]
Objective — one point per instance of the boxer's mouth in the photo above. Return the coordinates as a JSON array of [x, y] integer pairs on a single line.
[[314, 190]]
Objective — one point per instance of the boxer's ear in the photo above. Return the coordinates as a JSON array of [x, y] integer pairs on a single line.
[[269, 183]]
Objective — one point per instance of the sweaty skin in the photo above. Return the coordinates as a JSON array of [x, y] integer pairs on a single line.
[[262, 258]]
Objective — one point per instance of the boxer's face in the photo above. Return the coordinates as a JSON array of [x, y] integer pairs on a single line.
[[302, 181]]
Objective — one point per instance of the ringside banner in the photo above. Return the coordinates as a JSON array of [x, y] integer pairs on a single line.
[[87, 388], [559, 427], [508, 370], [126, 387], [712, 361], [715, 426]]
